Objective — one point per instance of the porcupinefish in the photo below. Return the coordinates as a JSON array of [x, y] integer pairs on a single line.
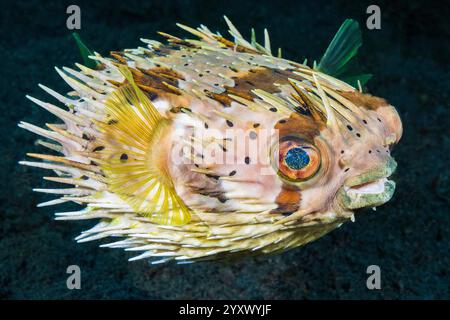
[[203, 148]]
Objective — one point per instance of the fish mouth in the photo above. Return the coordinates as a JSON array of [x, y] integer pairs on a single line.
[[370, 189]]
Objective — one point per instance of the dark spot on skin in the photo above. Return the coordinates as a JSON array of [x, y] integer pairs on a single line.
[[253, 135], [349, 127], [378, 151], [113, 121], [232, 173], [229, 123], [222, 199], [255, 125], [151, 95], [85, 136], [358, 135], [123, 157], [186, 64], [346, 169], [365, 122], [273, 109], [99, 148], [233, 69], [200, 75], [342, 151], [282, 121], [206, 126], [223, 148], [247, 160], [370, 151], [207, 71], [216, 84], [379, 119]]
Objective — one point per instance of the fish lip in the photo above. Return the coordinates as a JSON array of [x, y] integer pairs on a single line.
[[384, 171], [382, 188]]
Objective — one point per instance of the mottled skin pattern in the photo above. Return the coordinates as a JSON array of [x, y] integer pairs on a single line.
[[209, 87]]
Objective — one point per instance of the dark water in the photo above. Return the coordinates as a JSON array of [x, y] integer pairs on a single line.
[[408, 237]]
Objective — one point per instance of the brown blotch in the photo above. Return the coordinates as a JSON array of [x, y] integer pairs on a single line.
[[300, 125], [166, 72], [288, 200], [365, 100], [224, 99], [154, 82], [257, 78]]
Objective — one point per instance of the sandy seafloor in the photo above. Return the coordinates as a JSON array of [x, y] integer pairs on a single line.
[[408, 237]]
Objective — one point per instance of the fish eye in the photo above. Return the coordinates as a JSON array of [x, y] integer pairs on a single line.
[[297, 160]]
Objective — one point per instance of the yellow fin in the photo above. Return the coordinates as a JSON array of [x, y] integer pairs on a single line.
[[134, 166]]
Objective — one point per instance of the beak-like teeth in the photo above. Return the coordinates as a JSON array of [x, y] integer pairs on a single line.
[[372, 187]]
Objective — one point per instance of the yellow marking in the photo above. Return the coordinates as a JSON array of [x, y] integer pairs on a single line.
[[135, 168]]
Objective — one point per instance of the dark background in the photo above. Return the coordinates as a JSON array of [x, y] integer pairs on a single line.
[[408, 237]]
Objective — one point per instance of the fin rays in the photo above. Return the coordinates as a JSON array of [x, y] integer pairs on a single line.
[[133, 167]]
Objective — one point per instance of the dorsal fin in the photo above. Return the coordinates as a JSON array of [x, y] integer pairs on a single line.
[[339, 59], [134, 163], [85, 52]]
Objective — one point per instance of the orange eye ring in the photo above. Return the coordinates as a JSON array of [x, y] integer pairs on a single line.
[[297, 160]]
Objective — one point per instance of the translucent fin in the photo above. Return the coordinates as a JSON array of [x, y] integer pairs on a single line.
[[339, 59], [134, 161], [85, 52]]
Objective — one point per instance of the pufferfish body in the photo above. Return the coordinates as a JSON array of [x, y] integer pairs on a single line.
[[202, 149]]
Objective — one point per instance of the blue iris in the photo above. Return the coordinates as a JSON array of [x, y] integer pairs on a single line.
[[296, 158]]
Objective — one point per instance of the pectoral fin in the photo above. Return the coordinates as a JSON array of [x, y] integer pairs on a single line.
[[134, 162]]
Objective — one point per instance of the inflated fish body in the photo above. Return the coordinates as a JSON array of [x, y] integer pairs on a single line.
[[199, 149]]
